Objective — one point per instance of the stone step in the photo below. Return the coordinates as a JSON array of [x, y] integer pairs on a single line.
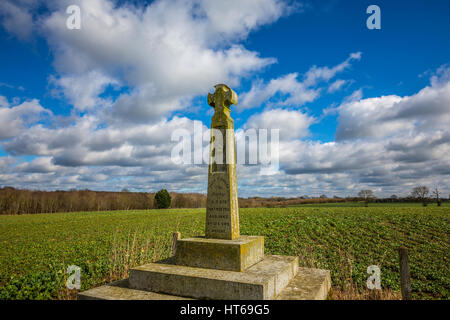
[[308, 284], [120, 290], [264, 280]]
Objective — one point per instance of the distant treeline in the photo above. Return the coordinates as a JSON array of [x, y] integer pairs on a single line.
[[17, 201], [285, 202]]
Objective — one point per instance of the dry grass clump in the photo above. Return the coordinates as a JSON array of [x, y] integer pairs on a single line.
[[354, 293], [137, 250]]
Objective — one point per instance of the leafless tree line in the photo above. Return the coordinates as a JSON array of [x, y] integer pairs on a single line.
[[16, 201], [418, 194]]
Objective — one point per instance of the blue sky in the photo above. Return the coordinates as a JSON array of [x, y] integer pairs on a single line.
[[95, 108]]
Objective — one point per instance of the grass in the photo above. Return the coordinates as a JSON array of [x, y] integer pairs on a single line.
[[35, 250]]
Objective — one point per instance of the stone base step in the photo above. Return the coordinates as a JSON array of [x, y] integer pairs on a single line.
[[308, 284], [264, 280], [120, 290]]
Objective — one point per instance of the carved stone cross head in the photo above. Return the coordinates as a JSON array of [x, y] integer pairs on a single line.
[[224, 96]]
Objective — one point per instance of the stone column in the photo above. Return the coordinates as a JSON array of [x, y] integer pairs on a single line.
[[222, 212]]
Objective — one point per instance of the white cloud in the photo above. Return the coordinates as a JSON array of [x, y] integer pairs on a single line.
[[83, 90], [292, 124], [5, 162], [16, 19], [48, 141], [293, 92], [166, 53], [316, 74], [441, 76], [238, 18], [392, 144], [84, 143], [337, 85], [14, 119], [388, 143], [163, 54], [3, 102], [297, 93], [389, 115], [38, 165]]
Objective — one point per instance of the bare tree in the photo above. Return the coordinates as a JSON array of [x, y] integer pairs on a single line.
[[366, 195], [394, 197], [436, 194], [420, 193]]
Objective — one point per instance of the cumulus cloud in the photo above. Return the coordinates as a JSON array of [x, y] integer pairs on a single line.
[[167, 52], [292, 124], [337, 85], [83, 90], [441, 76], [389, 143], [384, 165], [158, 56], [238, 18], [6, 162], [13, 119], [4, 102], [38, 165], [389, 115], [86, 144], [47, 141], [294, 92], [316, 74], [16, 18], [297, 93]]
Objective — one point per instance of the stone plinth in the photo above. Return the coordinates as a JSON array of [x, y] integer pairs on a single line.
[[264, 280], [233, 255], [308, 284]]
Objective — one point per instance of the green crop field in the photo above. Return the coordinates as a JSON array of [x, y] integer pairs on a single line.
[[35, 250]]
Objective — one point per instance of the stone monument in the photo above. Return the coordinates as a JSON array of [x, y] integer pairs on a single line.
[[222, 212], [223, 264]]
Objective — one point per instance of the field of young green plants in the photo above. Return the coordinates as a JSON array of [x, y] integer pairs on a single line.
[[35, 250]]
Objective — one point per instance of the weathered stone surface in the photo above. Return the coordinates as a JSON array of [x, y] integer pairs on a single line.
[[308, 284], [222, 212], [234, 255], [264, 280], [119, 290]]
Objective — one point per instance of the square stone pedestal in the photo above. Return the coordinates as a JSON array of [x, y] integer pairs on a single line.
[[232, 255]]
